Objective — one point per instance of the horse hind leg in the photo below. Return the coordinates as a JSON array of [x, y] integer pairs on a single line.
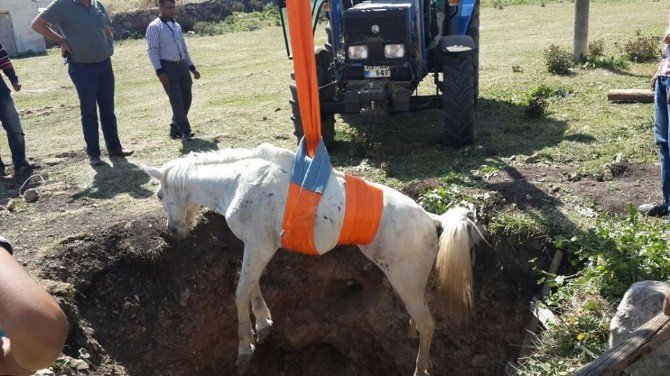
[[409, 276], [261, 314], [412, 332], [255, 260]]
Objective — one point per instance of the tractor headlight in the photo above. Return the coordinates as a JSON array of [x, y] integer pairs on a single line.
[[358, 52], [394, 51]]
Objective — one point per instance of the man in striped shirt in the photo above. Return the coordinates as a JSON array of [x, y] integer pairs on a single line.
[[660, 84], [169, 57], [10, 118]]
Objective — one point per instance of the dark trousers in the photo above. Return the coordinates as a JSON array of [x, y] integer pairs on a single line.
[[180, 96], [95, 86], [10, 121]]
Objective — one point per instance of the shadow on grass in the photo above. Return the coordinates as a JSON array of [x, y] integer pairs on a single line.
[[410, 145], [121, 177], [198, 144]]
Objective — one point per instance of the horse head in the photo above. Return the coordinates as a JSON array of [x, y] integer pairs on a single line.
[[180, 210]]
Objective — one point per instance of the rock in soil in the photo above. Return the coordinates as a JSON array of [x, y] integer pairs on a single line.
[[30, 195]]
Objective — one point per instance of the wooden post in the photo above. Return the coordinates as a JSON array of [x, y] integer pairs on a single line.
[[631, 95], [580, 42], [641, 342]]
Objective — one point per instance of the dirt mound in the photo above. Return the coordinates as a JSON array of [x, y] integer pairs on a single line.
[[143, 304]]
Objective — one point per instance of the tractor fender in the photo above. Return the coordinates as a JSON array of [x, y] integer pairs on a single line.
[[456, 44]]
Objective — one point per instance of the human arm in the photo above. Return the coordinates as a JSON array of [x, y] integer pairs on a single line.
[[32, 319], [8, 69], [41, 26], [189, 62], [666, 304], [153, 43]]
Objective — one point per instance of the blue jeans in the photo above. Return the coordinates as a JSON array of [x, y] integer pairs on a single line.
[[661, 134], [10, 121], [95, 85]]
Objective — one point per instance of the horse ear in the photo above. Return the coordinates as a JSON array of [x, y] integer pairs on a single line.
[[155, 173]]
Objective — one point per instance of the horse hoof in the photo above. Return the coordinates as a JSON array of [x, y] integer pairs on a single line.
[[263, 333], [243, 361]]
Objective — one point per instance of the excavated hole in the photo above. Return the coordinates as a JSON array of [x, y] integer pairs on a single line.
[[144, 304]]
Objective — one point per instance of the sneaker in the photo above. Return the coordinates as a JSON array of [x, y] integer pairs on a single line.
[[95, 161], [653, 210], [187, 138], [121, 153]]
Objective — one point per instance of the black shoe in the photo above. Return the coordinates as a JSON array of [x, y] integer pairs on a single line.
[[25, 169], [95, 160], [176, 136], [653, 210], [121, 153], [187, 138]]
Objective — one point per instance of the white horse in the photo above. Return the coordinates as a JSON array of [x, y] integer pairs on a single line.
[[249, 187]]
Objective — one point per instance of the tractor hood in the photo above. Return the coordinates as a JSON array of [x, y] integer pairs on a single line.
[[378, 22]]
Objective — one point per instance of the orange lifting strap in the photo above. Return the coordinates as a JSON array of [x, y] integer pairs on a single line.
[[312, 168]]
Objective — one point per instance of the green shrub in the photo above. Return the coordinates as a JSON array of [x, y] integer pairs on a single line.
[[610, 63], [597, 48], [537, 101], [621, 253], [614, 255], [239, 22], [558, 60], [642, 48]]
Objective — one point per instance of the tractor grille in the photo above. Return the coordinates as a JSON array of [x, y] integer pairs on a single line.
[[393, 18]]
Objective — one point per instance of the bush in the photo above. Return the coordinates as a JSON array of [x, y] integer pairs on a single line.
[[558, 60], [642, 48], [239, 21], [537, 100], [597, 48], [610, 63]]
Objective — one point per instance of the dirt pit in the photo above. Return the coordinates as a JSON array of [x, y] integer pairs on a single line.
[[144, 304]]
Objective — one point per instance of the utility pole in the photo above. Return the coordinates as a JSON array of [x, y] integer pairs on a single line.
[[580, 43]]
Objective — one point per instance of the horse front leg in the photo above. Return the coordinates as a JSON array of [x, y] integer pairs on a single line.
[[261, 314], [255, 260]]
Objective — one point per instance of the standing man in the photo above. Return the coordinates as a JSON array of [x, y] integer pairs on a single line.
[[10, 118], [87, 44], [660, 84], [170, 59]]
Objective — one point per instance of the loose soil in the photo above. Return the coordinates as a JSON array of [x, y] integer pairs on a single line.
[[144, 304]]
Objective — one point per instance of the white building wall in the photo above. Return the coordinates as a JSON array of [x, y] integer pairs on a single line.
[[23, 12]]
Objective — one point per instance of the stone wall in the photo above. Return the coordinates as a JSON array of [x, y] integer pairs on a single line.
[[134, 24]]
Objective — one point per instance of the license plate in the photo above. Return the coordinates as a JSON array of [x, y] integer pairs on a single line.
[[374, 71]]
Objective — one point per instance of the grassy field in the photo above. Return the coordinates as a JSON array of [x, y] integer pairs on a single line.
[[242, 100]]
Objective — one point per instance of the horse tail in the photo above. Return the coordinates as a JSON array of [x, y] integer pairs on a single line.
[[453, 265]]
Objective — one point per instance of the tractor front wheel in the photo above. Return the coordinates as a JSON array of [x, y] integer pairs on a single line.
[[458, 98]]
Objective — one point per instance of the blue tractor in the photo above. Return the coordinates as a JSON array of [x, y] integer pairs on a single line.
[[378, 51]]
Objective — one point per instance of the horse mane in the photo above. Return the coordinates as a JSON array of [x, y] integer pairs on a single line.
[[178, 170]]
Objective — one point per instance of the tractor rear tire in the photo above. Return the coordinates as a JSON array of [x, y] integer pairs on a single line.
[[458, 98], [323, 59], [473, 31]]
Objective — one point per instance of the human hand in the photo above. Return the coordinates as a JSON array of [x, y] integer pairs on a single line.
[[196, 75], [165, 80], [64, 48], [17, 86], [653, 81], [666, 304]]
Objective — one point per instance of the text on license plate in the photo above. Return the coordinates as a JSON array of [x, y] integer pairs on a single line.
[[372, 71]]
